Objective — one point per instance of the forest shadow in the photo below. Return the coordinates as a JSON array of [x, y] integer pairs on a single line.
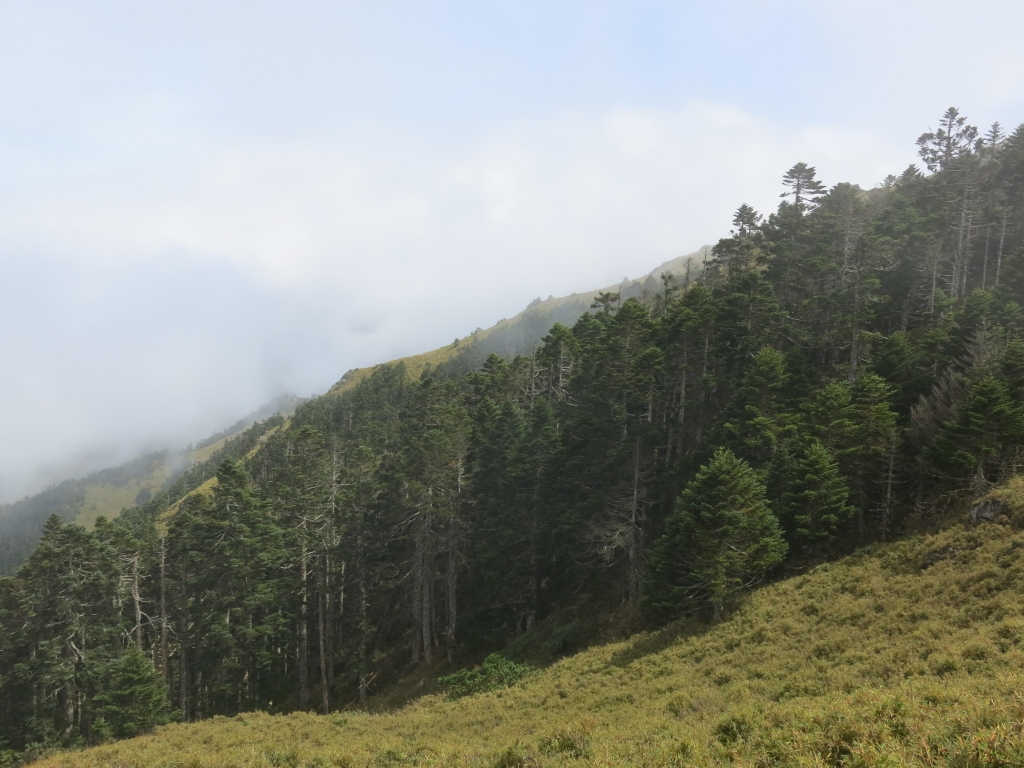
[[659, 640]]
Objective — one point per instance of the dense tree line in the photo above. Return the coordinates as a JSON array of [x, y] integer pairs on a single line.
[[838, 369]]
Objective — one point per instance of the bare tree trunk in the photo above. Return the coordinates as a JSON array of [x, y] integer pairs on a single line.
[[450, 587], [136, 600], [707, 342], [428, 614], [417, 599], [337, 636], [959, 266], [163, 608], [682, 389], [364, 601], [427, 581], [326, 707], [1002, 240], [967, 257], [329, 619], [303, 631], [183, 655], [889, 479], [533, 580], [636, 522], [855, 336], [199, 700], [935, 277], [984, 266]]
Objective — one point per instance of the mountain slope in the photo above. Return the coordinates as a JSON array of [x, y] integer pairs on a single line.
[[109, 491], [841, 373], [907, 654], [522, 334]]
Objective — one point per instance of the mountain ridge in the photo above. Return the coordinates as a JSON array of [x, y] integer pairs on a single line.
[[106, 492], [521, 334]]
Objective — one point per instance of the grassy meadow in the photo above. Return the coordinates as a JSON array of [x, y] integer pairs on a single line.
[[909, 654]]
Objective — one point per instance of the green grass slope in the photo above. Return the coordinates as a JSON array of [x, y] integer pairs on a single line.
[[109, 499], [909, 654]]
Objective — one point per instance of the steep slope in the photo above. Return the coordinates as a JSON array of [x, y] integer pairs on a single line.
[[522, 334], [109, 491], [906, 654]]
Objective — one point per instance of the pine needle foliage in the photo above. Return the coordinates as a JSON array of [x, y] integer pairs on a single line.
[[909, 654], [722, 538]]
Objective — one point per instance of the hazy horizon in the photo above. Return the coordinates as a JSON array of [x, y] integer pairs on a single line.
[[203, 207]]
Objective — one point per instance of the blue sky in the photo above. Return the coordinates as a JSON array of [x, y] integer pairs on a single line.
[[205, 203]]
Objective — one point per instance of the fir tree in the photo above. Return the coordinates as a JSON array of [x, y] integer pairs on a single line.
[[804, 187], [133, 700], [722, 538], [760, 418], [815, 500]]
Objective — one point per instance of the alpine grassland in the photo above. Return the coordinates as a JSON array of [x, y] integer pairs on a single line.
[[902, 654]]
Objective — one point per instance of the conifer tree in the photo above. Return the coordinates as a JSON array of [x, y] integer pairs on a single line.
[[133, 700], [942, 149], [815, 500], [722, 538], [804, 187], [760, 419]]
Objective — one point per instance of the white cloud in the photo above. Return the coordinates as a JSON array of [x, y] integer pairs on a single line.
[[291, 208], [186, 286]]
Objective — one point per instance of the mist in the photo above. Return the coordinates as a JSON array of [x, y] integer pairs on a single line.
[[203, 211]]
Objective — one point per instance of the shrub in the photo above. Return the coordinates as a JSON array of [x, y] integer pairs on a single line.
[[573, 742], [732, 729], [941, 665], [496, 672], [514, 757], [562, 639]]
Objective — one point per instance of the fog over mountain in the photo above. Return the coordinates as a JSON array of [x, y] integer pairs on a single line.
[[201, 208]]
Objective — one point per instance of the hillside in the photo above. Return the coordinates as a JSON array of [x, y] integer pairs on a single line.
[[908, 654], [522, 333], [109, 491], [844, 372]]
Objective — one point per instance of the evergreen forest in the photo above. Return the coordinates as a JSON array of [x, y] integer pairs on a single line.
[[841, 371]]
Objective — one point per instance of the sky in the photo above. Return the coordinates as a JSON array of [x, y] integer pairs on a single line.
[[206, 204]]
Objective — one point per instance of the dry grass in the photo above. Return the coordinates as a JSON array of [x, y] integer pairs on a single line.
[[905, 655]]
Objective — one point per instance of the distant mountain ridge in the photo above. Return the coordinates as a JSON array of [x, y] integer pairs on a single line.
[[522, 333], [109, 491]]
